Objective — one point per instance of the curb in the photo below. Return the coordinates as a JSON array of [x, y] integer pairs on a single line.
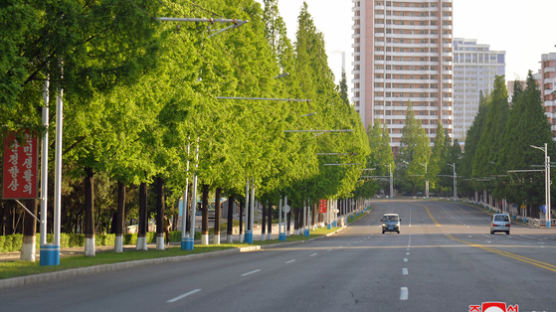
[[65, 274], [269, 246]]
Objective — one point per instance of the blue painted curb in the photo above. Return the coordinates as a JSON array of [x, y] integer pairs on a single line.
[[50, 255]]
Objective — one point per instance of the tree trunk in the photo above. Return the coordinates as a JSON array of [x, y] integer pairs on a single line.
[[188, 208], [29, 247], [2, 227], [230, 229], [241, 204], [161, 226], [297, 221], [204, 224], [120, 219], [269, 222], [143, 222], [289, 222], [217, 210], [263, 222], [313, 214], [89, 212]]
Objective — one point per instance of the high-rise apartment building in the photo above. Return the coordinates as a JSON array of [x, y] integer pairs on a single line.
[[548, 88], [475, 68], [402, 54]]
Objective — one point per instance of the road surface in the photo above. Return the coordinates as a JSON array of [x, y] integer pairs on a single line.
[[443, 260]]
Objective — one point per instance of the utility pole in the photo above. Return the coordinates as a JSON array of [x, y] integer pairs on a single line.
[[426, 181], [547, 215], [391, 182], [455, 187]]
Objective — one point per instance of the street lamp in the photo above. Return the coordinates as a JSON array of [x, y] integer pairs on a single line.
[[546, 182], [453, 165], [391, 181]]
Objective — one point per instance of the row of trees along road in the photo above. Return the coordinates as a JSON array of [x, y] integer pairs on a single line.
[[417, 162], [138, 91], [500, 140]]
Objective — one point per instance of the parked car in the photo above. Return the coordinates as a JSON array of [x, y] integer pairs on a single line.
[[500, 223], [391, 223]]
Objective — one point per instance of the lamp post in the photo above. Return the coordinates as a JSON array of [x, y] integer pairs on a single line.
[[453, 165], [426, 180], [546, 182], [391, 181]]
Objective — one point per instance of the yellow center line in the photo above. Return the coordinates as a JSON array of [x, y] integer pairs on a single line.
[[436, 223], [507, 254]]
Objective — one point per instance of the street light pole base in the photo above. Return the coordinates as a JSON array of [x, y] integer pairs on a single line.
[[50, 255], [249, 237]]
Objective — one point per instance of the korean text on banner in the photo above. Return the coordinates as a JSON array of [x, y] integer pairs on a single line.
[[322, 205], [20, 166]]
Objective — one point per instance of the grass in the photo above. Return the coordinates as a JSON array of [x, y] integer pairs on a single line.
[[296, 238], [355, 218], [19, 268]]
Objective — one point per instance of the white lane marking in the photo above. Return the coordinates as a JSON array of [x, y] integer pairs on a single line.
[[404, 293], [251, 272], [404, 271], [404, 259], [407, 253], [290, 261], [313, 254], [184, 295]]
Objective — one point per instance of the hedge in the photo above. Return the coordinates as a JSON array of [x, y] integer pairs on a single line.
[[13, 242]]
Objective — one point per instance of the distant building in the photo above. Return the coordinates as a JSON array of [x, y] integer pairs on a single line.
[[548, 87], [403, 53], [475, 67]]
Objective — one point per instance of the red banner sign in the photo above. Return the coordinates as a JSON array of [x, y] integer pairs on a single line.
[[322, 205], [20, 166]]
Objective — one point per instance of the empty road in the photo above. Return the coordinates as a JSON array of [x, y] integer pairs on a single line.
[[443, 260]]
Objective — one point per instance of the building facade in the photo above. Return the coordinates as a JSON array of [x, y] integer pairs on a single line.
[[548, 88], [402, 54], [475, 67]]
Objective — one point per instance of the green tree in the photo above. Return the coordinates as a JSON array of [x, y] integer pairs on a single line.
[[438, 157], [471, 143], [344, 89], [413, 156], [487, 161], [527, 125]]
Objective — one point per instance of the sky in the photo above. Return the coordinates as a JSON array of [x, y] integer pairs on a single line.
[[524, 29]]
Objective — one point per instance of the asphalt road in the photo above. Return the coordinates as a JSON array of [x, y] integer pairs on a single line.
[[443, 260]]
